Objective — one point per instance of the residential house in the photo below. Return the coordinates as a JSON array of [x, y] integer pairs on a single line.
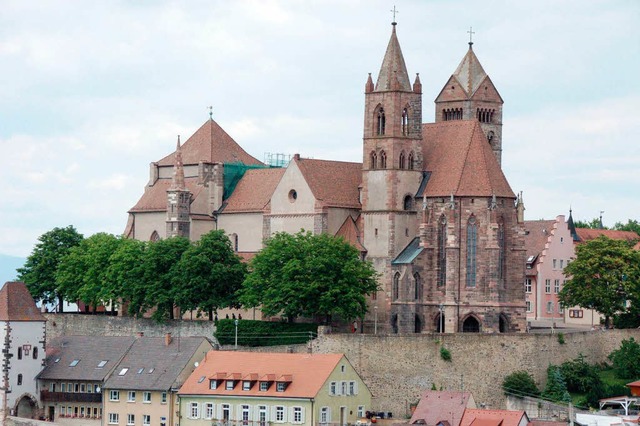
[[75, 371], [142, 391], [249, 388], [480, 417], [442, 407], [22, 333], [635, 388]]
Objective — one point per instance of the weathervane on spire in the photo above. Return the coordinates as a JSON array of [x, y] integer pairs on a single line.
[[210, 108], [471, 33], [394, 11]]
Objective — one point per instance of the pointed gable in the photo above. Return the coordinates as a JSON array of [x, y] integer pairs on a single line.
[[210, 144], [16, 303], [470, 73], [333, 183], [393, 67], [461, 161], [349, 231], [253, 192], [536, 235]]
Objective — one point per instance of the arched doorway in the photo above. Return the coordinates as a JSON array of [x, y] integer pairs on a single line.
[[439, 323], [471, 325], [417, 324], [503, 324], [26, 407]]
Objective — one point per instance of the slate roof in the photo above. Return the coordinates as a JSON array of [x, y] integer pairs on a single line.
[[16, 303], [307, 373], [393, 67], [436, 406], [588, 234], [155, 197], [89, 351], [410, 252], [254, 191], [461, 161], [210, 144], [536, 236], [333, 183], [349, 231], [478, 417], [152, 365]]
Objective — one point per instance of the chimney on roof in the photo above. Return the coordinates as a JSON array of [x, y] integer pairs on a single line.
[[167, 339], [296, 156]]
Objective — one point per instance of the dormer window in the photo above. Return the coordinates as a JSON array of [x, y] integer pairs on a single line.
[[213, 383], [264, 386], [230, 384], [246, 385], [281, 386]]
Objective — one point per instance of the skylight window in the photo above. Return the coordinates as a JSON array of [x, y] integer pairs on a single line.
[[151, 370], [102, 363], [123, 371], [74, 363], [140, 371], [201, 379], [56, 360]]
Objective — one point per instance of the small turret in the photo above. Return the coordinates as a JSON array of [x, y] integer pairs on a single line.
[[417, 85], [368, 88], [520, 208], [178, 200]]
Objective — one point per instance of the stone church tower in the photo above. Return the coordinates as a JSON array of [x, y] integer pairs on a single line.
[[178, 200], [392, 160]]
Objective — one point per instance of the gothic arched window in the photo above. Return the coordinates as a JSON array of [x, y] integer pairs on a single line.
[[472, 241], [381, 122], [395, 291], [373, 160], [410, 161], [402, 163], [405, 122], [442, 253], [407, 204], [501, 252], [154, 236], [383, 159], [418, 286]]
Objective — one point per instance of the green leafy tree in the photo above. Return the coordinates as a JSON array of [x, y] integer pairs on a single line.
[[126, 274], [556, 388], [309, 275], [39, 270], [604, 276], [582, 377], [592, 224], [209, 274], [82, 274], [160, 271], [631, 225], [520, 383], [626, 359]]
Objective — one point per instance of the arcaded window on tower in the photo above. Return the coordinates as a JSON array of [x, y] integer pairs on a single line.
[[501, 252], [410, 161], [402, 163], [407, 204], [373, 160], [405, 122], [485, 115], [381, 122], [442, 251], [452, 114], [472, 240], [383, 159], [395, 291]]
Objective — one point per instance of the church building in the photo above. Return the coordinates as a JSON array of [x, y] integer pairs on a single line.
[[429, 205]]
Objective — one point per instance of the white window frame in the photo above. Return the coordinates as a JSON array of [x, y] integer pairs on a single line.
[[213, 384], [146, 420], [279, 414], [246, 385], [281, 386], [353, 387], [549, 307], [146, 397], [114, 418], [230, 384], [325, 415], [264, 386], [343, 388], [547, 286], [131, 419], [527, 285], [361, 412], [297, 415], [529, 306], [556, 286], [208, 410], [163, 398], [194, 410], [114, 395], [332, 388], [131, 396]]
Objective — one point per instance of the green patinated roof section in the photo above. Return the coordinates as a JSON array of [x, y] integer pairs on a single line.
[[410, 252], [232, 174]]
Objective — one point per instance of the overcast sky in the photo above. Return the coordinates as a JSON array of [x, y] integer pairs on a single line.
[[92, 91]]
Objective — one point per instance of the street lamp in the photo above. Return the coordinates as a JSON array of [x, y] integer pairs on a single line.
[[441, 309], [375, 319], [236, 323]]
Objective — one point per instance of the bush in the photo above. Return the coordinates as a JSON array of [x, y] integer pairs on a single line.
[[626, 359], [445, 354], [616, 390], [561, 338], [556, 389], [580, 376], [520, 383], [264, 333]]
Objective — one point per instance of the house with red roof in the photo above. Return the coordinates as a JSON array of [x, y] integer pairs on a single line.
[[428, 205], [480, 417], [22, 333], [436, 407], [260, 389]]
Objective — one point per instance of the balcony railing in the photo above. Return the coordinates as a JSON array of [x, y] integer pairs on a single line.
[[48, 396]]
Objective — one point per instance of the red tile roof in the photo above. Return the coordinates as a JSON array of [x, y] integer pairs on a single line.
[[155, 197], [536, 236], [587, 234], [210, 144], [254, 191], [333, 183], [16, 304], [436, 406], [461, 161], [349, 231], [308, 373], [479, 417], [246, 256]]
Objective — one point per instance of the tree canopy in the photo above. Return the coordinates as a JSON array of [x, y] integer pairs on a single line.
[[309, 275], [604, 276], [39, 270]]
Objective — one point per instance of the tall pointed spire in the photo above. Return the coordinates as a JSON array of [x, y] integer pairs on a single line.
[[572, 226], [177, 181], [393, 67], [470, 73]]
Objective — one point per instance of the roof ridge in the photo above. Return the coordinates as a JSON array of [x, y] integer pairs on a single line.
[[464, 162]]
